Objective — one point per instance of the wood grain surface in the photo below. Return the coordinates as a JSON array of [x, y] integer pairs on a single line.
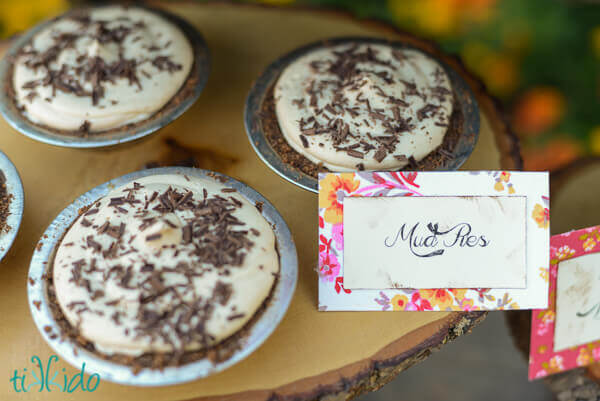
[[311, 355]]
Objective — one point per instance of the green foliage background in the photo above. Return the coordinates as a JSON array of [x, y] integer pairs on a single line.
[[541, 57]]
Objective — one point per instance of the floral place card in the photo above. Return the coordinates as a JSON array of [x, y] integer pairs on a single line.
[[480, 241], [566, 335]]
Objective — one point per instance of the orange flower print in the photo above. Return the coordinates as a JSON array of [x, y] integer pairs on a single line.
[[541, 215], [555, 364], [399, 302], [332, 190], [584, 358], [504, 178], [468, 305], [459, 293], [544, 274], [542, 349], [439, 296], [547, 316], [589, 244]]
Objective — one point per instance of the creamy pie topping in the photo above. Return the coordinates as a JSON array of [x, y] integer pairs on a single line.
[[165, 263], [101, 69], [364, 106]]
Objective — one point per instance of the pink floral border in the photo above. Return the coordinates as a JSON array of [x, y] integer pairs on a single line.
[[543, 361]]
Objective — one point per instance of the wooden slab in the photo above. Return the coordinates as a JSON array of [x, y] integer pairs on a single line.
[[312, 354]]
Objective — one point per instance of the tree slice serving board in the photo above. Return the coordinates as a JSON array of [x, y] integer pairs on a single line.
[[311, 354], [574, 194]]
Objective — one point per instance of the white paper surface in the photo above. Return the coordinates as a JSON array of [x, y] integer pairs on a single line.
[[435, 242], [577, 302]]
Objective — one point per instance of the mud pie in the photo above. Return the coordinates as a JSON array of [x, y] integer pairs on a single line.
[[352, 104], [164, 266], [11, 204], [104, 70]]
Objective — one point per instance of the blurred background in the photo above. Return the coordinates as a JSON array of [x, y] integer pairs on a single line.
[[541, 58]]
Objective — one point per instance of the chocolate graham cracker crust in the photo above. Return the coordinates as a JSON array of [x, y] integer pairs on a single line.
[[100, 72], [5, 200], [154, 360], [276, 140]]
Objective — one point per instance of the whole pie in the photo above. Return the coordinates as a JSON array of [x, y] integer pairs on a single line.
[[362, 105], [167, 264], [100, 69]]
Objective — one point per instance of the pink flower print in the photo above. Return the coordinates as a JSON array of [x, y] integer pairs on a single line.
[[418, 303], [556, 363], [337, 232], [596, 353], [543, 328], [329, 267], [564, 252], [339, 286]]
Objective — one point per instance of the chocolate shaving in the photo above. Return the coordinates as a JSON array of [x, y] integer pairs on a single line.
[[153, 237], [380, 154], [355, 153], [236, 316], [93, 244], [85, 127], [163, 63], [91, 211], [304, 141], [222, 292], [427, 111]]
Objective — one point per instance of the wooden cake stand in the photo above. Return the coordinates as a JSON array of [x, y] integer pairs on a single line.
[[311, 355], [574, 195]]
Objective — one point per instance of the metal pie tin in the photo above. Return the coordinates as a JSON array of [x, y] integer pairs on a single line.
[[14, 187], [464, 96], [182, 100], [258, 331]]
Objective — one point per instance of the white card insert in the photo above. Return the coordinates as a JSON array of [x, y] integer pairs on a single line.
[[577, 302], [435, 242]]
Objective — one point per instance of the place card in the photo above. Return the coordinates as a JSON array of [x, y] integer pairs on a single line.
[[567, 334], [433, 241]]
